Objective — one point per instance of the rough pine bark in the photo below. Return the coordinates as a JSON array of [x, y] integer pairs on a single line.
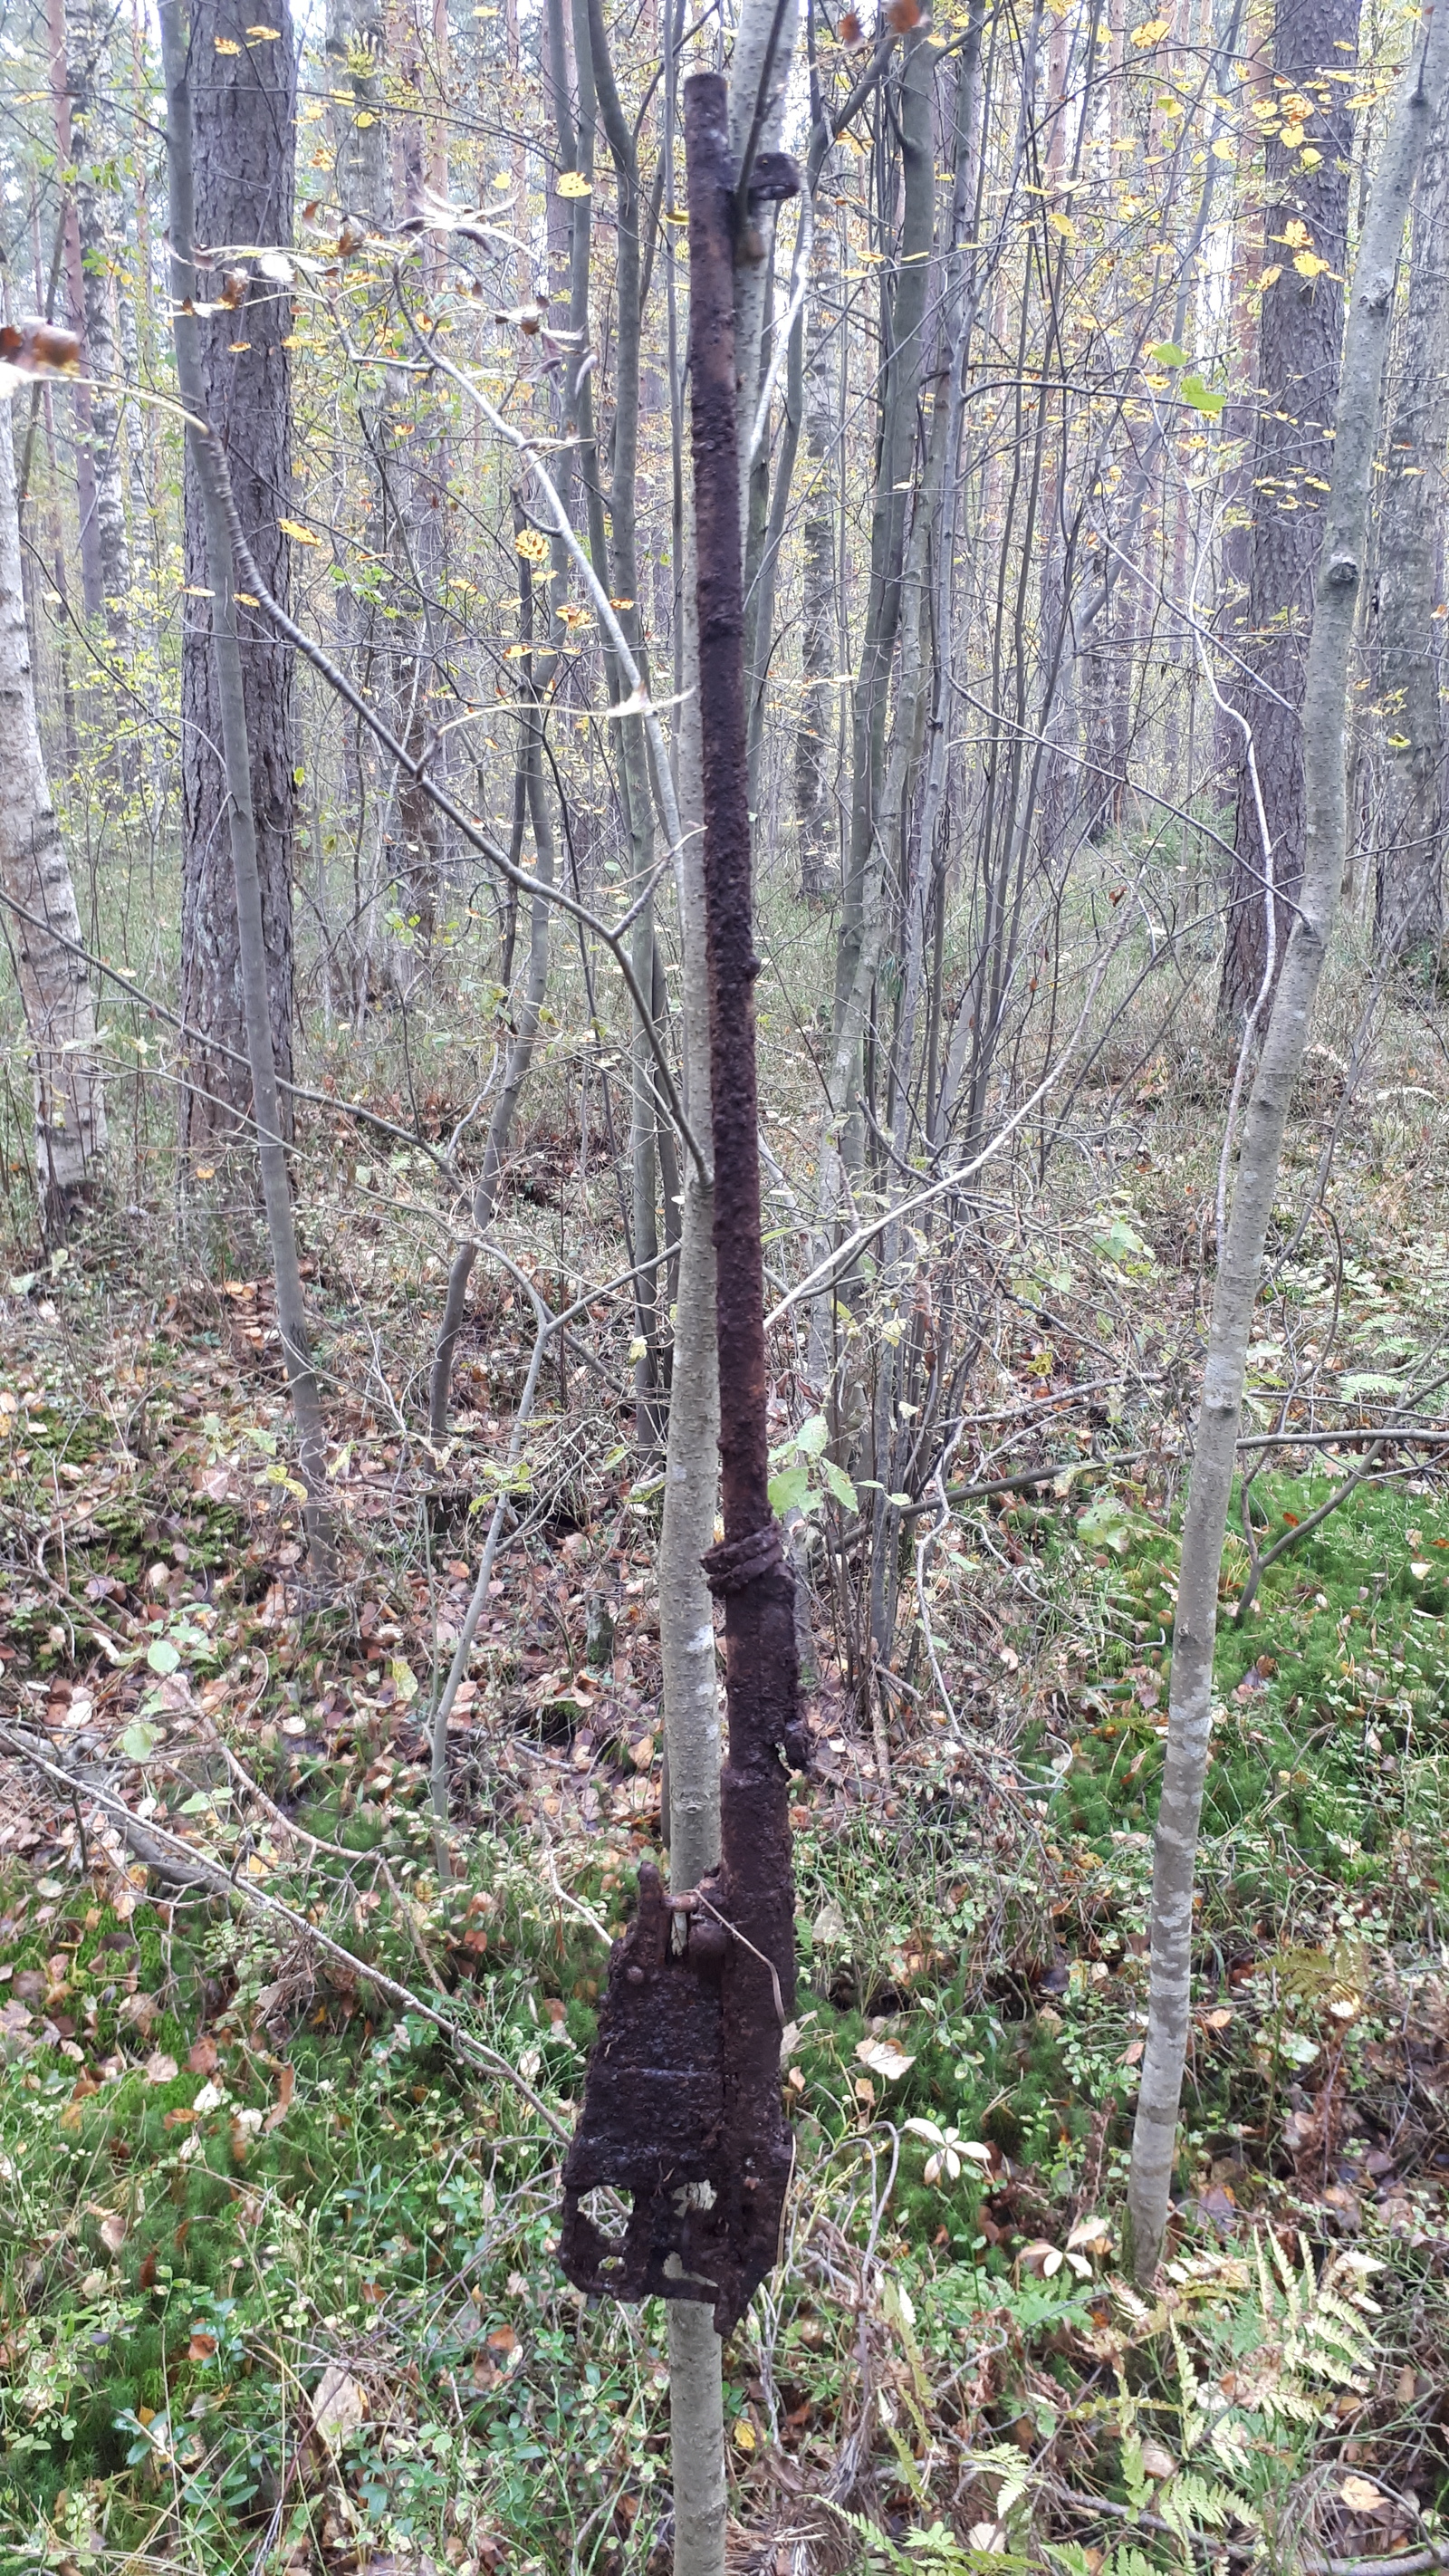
[[243, 119], [225, 542], [904, 315], [43, 931], [415, 466], [1299, 340], [1413, 498]]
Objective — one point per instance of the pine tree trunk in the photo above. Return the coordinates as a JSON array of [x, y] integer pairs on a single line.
[[1407, 639], [906, 312], [1299, 339], [55, 991], [222, 528], [413, 457], [243, 112]]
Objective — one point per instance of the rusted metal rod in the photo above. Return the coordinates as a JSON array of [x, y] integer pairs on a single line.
[[682, 2102], [748, 1570]]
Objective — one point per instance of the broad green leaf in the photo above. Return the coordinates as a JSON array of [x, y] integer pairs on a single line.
[[1121, 1242], [790, 1491], [162, 1656], [1194, 391]]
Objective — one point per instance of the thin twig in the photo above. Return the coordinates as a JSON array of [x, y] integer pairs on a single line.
[[209, 1872]]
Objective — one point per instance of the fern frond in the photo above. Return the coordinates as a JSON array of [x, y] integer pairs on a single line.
[[1190, 2500], [1128, 2561], [1229, 2440]]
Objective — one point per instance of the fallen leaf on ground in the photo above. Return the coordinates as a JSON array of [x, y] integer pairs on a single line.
[[339, 2404], [286, 2087], [883, 2058]]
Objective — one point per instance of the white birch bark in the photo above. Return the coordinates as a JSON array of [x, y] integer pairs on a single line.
[[95, 215], [1325, 728], [686, 1621], [759, 79], [55, 990]]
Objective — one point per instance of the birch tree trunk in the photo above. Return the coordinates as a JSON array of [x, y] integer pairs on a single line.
[[94, 215], [92, 583], [686, 1607], [1325, 725], [818, 731], [1409, 911], [686, 1617], [55, 992]]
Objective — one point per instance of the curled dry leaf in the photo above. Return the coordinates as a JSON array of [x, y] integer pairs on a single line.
[[339, 2405], [286, 2087], [160, 2068], [883, 2058], [37, 348]]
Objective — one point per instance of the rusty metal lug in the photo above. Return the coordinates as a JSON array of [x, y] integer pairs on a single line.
[[774, 178]]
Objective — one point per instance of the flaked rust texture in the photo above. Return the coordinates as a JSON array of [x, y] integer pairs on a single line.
[[682, 2099]]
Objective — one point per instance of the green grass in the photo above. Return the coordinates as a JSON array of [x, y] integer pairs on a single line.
[[1333, 1694], [233, 2201]]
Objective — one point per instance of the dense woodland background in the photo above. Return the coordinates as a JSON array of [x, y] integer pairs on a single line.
[[1041, 396]]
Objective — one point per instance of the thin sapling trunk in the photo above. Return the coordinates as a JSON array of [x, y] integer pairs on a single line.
[[1325, 719]]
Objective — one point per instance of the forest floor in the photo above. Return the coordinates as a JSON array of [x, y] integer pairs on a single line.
[[278, 2287]]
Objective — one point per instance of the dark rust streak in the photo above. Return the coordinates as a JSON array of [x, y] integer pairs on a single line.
[[682, 2104]]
